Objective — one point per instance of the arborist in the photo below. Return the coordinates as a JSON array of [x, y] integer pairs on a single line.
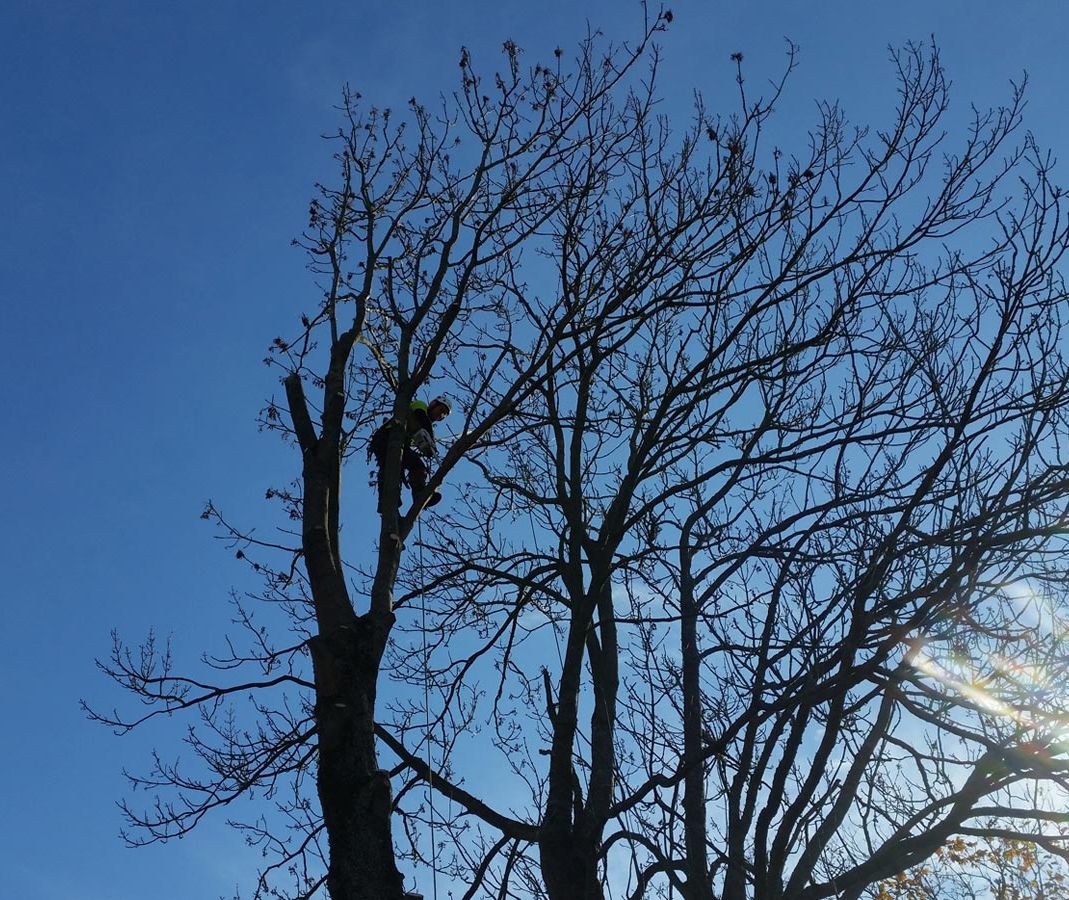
[[419, 444]]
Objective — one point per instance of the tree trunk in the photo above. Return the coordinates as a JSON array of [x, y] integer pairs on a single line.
[[568, 858], [354, 793], [569, 870], [571, 832], [697, 866]]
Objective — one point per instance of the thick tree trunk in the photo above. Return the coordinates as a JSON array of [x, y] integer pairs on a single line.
[[571, 833], [694, 828], [354, 793], [567, 854], [569, 868]]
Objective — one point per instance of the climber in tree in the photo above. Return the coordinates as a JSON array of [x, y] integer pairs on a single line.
[[419, 444]]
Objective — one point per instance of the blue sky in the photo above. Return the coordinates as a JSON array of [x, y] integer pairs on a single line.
[[155, 160]]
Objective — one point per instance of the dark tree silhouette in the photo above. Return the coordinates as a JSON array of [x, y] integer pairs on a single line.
[[757, 452]]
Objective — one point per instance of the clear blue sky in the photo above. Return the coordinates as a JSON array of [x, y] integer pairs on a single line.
[[155, 160]]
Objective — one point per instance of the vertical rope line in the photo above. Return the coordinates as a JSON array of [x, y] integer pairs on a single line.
[[427, 712]]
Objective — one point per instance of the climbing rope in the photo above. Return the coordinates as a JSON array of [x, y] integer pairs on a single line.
[[427, 712]]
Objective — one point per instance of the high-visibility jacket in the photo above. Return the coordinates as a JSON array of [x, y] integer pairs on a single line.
[[418, 419]]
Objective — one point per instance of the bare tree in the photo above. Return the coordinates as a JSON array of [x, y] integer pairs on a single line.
[[901, 470], [419, 254], [826, 446], [753, 443]]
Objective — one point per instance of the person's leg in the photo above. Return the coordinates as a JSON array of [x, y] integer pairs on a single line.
[[417, 475], [415, 470]]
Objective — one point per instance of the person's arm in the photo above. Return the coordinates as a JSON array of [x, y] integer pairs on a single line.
[[422, 419], [422, 439]]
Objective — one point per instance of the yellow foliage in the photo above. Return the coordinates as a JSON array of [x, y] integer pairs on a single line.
[[1003, 863]]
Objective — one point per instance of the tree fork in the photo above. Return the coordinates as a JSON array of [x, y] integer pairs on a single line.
[[354, 794]]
